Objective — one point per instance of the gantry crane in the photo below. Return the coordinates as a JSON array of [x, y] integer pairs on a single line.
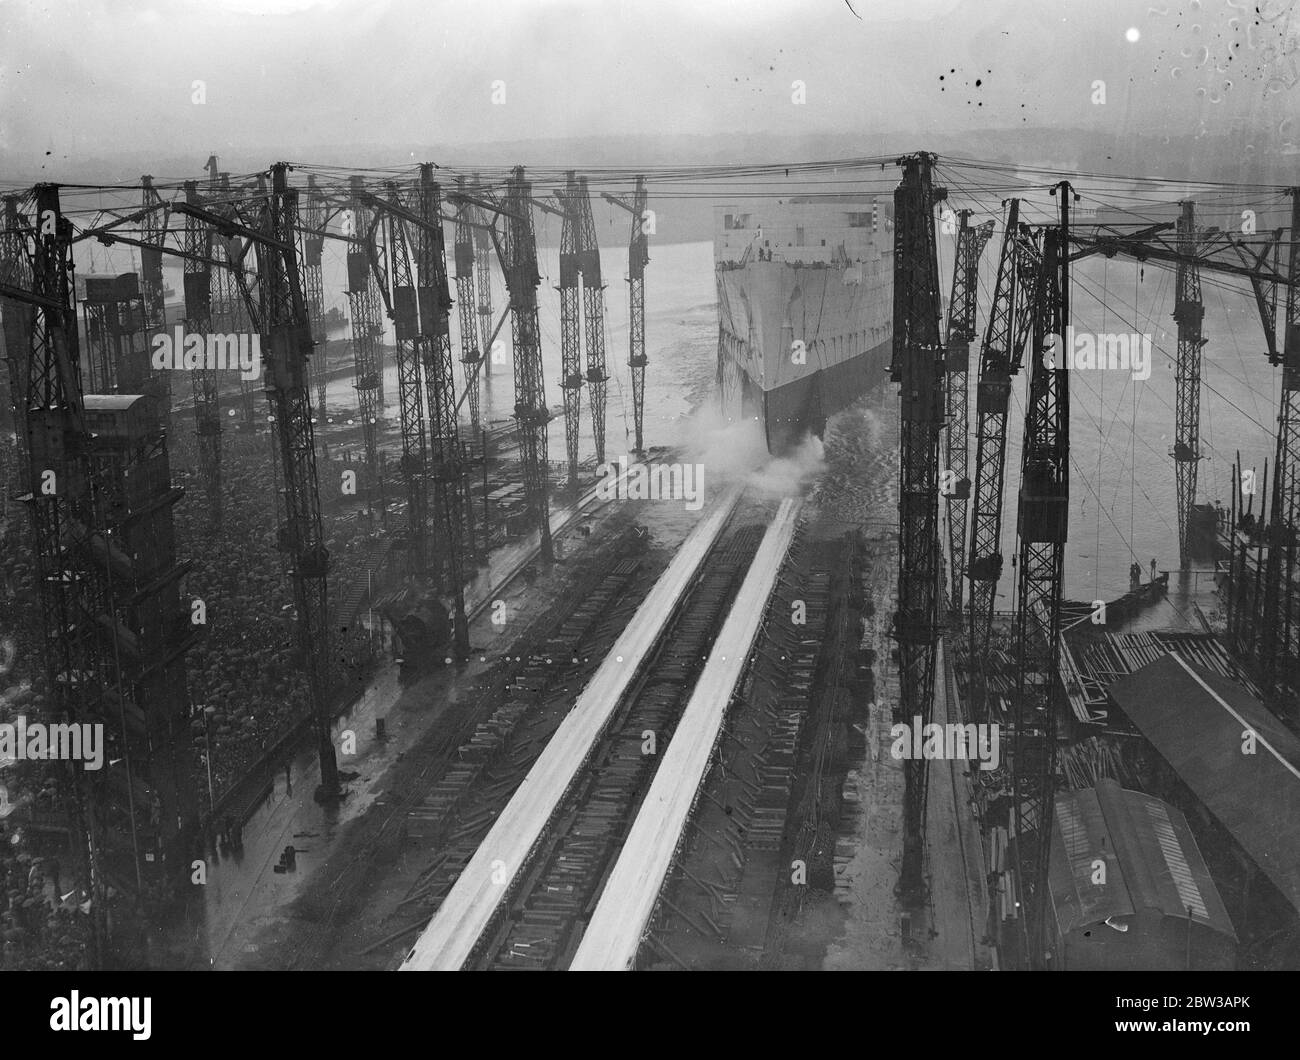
[[1041, 529], [517, 251], [228, 312], [1189, 312], [1276, 649], [1242, 621], [314, 286], [404, 312], [446, 459], [593, 311], [153, 233], [961, 333], [1008, 328], [918, 368], [570, 319], [483, 272], [638, 256], [146, 816], [363, 306], [1280, 651], [1043, 517], [61, 505], [277, 309], [580, 266], [16, 272], [287, 326], [225, 304], [198, 320], [472, 353], [153, 228], [279, 312]]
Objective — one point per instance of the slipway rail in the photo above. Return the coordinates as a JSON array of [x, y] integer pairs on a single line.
[[627, 904], [461, 921]]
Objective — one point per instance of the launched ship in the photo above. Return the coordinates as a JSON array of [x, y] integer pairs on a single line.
[[805, 308]]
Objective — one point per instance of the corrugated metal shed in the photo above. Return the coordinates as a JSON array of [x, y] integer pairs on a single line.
[[1151, 860], [1125, 871], [1198, 722], [1080, 839]]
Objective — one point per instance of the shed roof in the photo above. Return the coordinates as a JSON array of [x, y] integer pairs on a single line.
[[110, 402], [1199, 723], [1151, 861]]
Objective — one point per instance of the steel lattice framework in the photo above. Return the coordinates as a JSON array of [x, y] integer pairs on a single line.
[[16, 271], [153, 232], [404, 311], [918, 367], [61, 507], [483, 271], [1265, 623], [593, 307], [517, 251], [1042, 525], [1243, 620], [447, 460], [961, 333], [571, 321], [314, 286], [287, 347], [1280, 652], [117, 335], [229, 314], [1008, 329], [472, 353], [198, 320], [153, 227], [363, 306], [1188, 314], [638, 257], [1032, 294]]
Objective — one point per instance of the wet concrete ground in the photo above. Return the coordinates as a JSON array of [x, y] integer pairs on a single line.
[[948, 933]]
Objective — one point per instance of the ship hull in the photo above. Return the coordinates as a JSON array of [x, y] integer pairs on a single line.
[[805, 309], [796, 345], [789, 413]]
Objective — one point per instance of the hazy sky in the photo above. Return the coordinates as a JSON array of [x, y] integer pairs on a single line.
[[88, 77]]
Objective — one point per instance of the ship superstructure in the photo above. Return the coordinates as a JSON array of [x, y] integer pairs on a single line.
[[805, 293]]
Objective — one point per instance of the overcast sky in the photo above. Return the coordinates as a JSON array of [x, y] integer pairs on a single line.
[[86, 77]]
